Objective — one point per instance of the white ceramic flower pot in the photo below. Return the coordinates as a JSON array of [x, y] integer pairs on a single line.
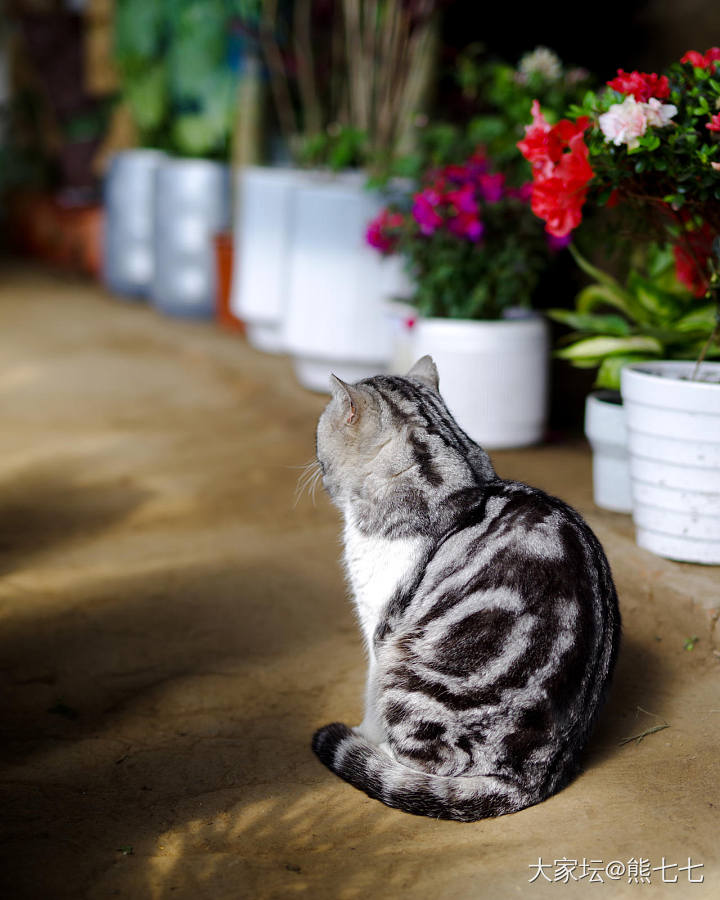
[[607, 434], [192, 204], [129, 190], [335, 319], [262, 218], [493, 375], [674, 442]]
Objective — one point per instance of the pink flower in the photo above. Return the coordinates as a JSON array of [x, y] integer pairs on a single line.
[[558, 243], [714, 123], [466, 225], [624, 123], [523, 193], [424, 211], [641, 85], [463, 199], [492, 187], [658, 114]]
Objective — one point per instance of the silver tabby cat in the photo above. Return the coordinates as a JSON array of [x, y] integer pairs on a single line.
[[487, 606]]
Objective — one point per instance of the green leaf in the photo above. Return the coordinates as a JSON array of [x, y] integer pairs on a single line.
[[599, 347], [613, 325], [595, 295], [591, 270], [608, 375], [661, 306]]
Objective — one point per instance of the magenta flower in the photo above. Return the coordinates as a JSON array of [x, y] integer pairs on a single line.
[[557, 243], [463, 199], [424, 211], [379, 232], [466, 225], [492, 187]]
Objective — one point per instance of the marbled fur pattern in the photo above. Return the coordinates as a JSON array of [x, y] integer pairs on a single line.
[[487, 607]]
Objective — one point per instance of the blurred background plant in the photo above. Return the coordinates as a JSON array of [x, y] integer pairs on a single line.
[[493, 109], [348, 78], [179, 62]]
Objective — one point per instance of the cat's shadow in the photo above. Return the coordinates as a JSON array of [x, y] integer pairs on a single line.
[[634, 703]]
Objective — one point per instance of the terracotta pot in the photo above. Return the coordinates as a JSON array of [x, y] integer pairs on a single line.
[[66, 236], [224, 266]]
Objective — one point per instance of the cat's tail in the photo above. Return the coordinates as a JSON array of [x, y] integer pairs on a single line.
[[368, 768]]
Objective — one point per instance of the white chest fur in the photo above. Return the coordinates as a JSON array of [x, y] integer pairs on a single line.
[[375, 567]]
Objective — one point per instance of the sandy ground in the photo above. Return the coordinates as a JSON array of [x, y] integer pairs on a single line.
[[173, 630]]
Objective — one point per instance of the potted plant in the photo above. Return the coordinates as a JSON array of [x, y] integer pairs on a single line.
[[650, 143], [474, 253], [178, 78], [650, 316], [346, 87]]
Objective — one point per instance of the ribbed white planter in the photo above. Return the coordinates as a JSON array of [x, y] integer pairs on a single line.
[[607, 434], [129, 191], [493, 375], [262, 230], [335, 318], [674, 441], [192, 204]]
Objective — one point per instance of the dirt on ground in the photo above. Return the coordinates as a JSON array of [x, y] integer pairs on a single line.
[[174, 629]]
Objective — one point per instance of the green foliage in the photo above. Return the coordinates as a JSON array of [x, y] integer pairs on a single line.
[[651, 317], [501, 95], [175, 62]]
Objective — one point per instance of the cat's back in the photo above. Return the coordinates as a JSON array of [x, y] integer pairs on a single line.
[[515, 562]]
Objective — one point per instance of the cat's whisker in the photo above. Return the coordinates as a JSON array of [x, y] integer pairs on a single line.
[[307, 481]]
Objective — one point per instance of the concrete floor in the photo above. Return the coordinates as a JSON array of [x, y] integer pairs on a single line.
[[173, 630]]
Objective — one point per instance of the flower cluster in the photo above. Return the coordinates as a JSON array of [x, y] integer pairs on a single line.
[[451, 199], [707, 60], [640, 85], [561, 171], [472, 244], [650, 142]]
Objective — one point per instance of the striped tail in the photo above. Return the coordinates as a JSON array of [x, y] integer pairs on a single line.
[[368, 768]]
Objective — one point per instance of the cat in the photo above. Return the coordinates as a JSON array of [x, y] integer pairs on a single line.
[[488, 610]]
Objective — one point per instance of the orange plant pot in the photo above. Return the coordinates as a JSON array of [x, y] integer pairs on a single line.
[[224, 265]]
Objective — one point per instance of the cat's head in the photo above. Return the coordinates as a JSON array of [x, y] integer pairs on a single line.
[[363, 433]]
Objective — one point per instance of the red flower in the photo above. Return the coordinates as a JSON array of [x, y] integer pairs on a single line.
[[561, 171], [559, 199], [692, 254], [714, 123], [544, 145], [641, 85], [702, 61]]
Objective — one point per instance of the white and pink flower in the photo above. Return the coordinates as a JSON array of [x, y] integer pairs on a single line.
[[626, 122]]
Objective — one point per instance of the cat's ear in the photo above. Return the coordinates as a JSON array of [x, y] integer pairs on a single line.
[[426, 370], [349, 397]]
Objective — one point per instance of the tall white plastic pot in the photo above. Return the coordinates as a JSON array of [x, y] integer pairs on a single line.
[[674, 442], [493, 375], [262, 233], [605, 430], [192, 203], [129, 189], [335, 319]]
